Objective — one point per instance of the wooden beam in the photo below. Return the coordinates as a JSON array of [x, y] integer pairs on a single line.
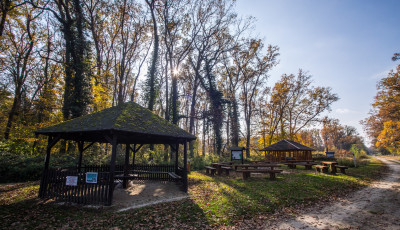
[[185, 177], [126, 165], [172, 147], [138, 148], [112, 170], [110, 140], [84, 149], [53, 140], [133, 156], [43, 183], [176, 157], [81, 149]]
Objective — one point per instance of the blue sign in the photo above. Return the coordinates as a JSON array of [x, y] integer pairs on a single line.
[[91, 177], [330, 154]]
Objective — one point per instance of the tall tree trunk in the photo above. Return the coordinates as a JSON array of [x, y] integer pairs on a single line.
[[248, 136], [13, 112], [19, 79], [234, 123], [5, 7], [192, 116], [153, 67], [174, 100]]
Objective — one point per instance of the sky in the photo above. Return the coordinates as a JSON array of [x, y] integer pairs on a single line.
[[344, 44]]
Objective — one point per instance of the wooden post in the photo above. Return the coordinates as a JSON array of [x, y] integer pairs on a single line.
[[133, 156], [112, 170], [126, 166], [80, 147], [43, 183], [185, 179], [176, 158]]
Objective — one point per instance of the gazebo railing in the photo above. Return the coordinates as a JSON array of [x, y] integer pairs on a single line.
[[55, 187], [139, 171], [118, 168]]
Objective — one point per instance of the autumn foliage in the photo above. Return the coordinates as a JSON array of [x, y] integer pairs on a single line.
[[383, 125]]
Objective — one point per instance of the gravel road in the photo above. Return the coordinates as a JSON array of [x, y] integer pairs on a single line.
[[374, 207]]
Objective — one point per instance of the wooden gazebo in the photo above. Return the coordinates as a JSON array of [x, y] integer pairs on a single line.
[[285, 150], [128, 124]]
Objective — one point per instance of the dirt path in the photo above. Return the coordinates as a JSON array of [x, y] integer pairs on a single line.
[[375, 207], [144, 193]]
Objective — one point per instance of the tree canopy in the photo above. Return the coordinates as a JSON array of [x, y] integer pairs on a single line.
[[194, 63]]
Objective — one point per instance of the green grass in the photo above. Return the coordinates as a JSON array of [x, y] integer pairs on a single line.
[[214, 202]]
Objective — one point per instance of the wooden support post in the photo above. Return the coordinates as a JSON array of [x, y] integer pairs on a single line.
[[185, 179], [112, 170], [42, 189], [80, 147], [43, 183], [176, 158], [133, 156], [126, 165]]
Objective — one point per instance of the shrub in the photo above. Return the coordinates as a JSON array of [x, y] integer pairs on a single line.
[[358, 152], [349, 162]]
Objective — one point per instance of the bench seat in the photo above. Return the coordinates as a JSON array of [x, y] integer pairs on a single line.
[[319, 168], [272, 173], [210, 170], [227, 169], [342, 168], [307, 165], [174, 175]]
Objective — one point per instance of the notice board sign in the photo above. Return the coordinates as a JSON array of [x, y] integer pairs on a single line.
[[72, 181], [330, 154], [91, 177], [237, 155]]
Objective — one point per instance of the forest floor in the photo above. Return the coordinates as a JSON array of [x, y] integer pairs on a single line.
[[374, 207]]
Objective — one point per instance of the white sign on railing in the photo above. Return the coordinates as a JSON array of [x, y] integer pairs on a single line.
[[72, 181]]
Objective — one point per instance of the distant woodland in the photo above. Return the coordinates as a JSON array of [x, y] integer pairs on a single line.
[[196, 63]]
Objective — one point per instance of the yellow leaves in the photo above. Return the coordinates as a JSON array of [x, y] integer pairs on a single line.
[[389, 137], [101, 98]]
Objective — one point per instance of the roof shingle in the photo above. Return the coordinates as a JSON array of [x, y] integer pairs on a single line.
[[286, 145], [128, 117]]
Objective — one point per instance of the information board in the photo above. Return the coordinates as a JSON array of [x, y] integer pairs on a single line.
[[237, 155], [330, 154], [72, 181], [91, 177]]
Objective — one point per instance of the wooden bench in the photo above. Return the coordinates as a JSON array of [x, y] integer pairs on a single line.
[[210, 170], [307, 165], [272, 173], [342, 168], [319, 168], [174, 175], [226, 169]]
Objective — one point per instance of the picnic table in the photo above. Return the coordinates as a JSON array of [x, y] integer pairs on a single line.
[[306, 164], [258, 168], [331, 165], [219, 166], [261, 162]]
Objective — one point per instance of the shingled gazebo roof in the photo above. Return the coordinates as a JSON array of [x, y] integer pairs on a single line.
[[286, 145], [132, 122]]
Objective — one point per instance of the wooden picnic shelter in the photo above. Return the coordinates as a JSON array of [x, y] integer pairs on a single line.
[[286, 150], [127, 124]]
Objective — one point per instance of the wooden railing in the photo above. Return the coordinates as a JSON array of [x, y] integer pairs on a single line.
[[55, 187], [83, 193], [119, 168]]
